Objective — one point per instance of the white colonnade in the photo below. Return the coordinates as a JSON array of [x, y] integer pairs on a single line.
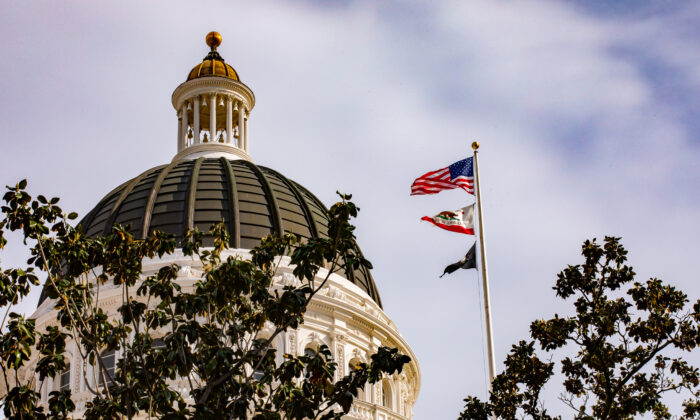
[[234, 130]]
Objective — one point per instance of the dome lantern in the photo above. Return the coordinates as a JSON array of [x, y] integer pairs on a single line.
[[213, 107]]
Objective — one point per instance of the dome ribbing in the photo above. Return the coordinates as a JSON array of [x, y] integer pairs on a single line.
[[253, 201], [213, 65]]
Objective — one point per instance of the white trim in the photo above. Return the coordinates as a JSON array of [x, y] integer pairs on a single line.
[[213, 84], [212, 150]]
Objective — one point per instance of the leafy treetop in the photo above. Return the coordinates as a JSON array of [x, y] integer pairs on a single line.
[[628, 347]]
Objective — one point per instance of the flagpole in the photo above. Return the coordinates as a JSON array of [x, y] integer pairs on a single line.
[[484, 272]]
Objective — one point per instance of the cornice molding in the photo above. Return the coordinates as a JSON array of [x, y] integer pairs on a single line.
[[216, 85]]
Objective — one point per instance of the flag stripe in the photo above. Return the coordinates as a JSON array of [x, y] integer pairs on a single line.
[[440, 187], [458, 175], [444, 183], [436, 173], [453, 228], [422, 190], [461, 221]]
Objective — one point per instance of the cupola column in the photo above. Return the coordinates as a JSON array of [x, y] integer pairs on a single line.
[[180, 144], [185, 126], [241, 129], [245, 130], [196, 139], [229, 120], [237, 131], [212, 118]]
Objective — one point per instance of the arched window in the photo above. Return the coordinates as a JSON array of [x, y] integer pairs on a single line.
[[108, 358], [386, 394], [64, 379]]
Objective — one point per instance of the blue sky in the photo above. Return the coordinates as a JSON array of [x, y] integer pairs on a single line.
[[586, 112]]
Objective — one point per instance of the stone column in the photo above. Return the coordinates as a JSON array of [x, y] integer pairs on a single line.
[[212, 118], [185, 125], [339, 348], [245, 130], [195, 129], [376, 388], [180, 145], [292, 349], [241, 134], [229, 120]]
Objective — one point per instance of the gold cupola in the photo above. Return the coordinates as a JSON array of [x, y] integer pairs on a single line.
[[213, 107], [213, 64]]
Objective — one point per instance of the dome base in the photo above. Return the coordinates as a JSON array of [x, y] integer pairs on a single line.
[[212, 150]]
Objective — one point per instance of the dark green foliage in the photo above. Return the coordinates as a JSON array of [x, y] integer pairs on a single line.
[[211, 331], [627, 347]]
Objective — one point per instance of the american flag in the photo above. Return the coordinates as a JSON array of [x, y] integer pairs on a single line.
[[458, 175]]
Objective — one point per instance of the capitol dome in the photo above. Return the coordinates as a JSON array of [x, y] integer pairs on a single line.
[[212, 178], [253, 201]]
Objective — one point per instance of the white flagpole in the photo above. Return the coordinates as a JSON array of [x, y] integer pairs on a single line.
[[484, 272]]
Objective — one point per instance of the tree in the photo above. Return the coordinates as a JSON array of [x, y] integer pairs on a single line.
[[212, 331], [626, 348]]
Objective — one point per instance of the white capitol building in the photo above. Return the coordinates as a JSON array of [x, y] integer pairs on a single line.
[[212, 178]]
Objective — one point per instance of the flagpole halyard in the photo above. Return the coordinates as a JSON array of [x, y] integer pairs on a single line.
[[484, 272]]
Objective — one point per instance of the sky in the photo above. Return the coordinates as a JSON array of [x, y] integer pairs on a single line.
[[586, 112]]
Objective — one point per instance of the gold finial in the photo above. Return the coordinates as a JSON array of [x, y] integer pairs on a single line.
[[213, 40], [475, 145]]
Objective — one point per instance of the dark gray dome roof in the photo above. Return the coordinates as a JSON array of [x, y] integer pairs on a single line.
[[252, 200]]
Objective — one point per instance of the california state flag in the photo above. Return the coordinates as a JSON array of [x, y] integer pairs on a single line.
[[461, 221]]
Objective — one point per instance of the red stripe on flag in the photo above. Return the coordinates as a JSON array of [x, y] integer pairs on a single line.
[[458, 229], [427, 190], [440, 184], [434, 173]]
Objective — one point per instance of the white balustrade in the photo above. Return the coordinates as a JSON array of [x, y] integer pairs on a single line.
[[362, 410]]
